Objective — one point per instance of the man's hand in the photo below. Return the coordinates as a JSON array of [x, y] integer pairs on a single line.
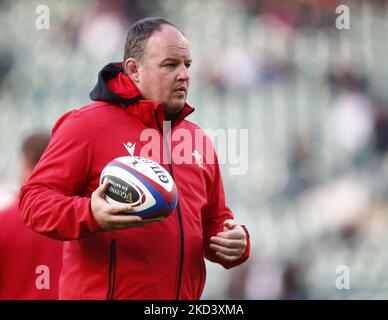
[[109, 216], [231, 243]]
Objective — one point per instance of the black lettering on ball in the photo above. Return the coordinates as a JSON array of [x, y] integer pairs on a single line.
[[121, 191]]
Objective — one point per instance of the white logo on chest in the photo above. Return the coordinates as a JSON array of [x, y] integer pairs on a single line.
[[198, 158], [130, 148]]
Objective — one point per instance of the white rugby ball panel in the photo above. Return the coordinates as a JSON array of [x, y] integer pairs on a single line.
[[150, 169]]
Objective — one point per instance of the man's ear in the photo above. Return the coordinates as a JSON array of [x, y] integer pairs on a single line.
[[131, 67]]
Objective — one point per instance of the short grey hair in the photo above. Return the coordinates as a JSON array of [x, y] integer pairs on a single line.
[[138, 34]]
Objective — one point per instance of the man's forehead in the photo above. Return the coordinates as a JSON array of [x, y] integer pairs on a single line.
[[164, 52], [168, 41], [173, 50]]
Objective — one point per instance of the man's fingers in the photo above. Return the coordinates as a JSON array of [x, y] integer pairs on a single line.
[[228, 243], [226, 251], [232, 234], [119, 209], [111, 208], [231, 243], [100, 191], [226, 257], [124, 219]]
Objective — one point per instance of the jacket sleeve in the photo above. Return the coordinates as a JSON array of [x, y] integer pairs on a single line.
[[213, 216], [49, 202]]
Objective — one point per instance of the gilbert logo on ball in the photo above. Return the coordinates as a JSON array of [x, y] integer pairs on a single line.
[[142, 183]]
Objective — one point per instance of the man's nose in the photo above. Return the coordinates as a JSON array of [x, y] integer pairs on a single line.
[[183, 73]]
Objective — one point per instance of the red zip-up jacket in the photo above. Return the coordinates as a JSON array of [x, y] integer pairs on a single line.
[[162, 260], [30, 263]]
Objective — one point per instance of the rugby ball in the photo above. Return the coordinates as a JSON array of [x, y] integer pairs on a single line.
[[142, 183]]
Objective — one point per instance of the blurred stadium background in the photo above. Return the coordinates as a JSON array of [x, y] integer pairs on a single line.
[[314, 99]]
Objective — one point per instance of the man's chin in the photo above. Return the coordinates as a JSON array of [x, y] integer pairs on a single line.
[[174, 108]]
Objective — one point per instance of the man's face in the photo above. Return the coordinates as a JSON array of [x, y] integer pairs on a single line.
[[164, 69]]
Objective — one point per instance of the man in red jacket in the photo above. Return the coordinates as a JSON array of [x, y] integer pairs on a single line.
[[138, 106], [30, 263]]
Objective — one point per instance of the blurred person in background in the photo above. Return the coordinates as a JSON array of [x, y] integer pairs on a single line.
[[30, 263], [350, 122], [118, 256]]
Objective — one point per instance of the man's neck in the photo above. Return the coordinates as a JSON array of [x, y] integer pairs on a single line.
[[172, 116]]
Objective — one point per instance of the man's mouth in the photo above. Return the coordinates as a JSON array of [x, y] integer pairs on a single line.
[[181, 89]]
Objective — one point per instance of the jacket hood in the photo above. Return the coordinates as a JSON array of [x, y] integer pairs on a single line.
[[114, 86]]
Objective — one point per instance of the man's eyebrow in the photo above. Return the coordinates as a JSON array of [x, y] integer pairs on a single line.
[[169, 59], [173, 59]]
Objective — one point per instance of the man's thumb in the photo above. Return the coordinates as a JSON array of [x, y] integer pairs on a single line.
[[229, 224], [100, 191]]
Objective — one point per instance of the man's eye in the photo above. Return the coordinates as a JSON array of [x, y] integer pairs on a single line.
[[188, 65], [171, 65]]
